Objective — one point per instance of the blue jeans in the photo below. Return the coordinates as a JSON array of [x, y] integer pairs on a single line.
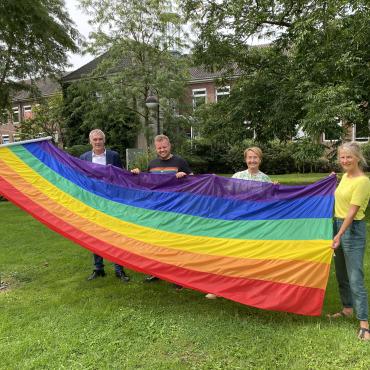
[[99, 264], [349, 267]]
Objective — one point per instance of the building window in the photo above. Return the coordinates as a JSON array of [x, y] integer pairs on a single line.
[[15, 114], [199, 97], [222, 92], [5, 139], [27, 112], [16, 138], [362, 131]]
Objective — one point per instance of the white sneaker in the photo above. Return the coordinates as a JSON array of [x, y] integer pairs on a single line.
[[211, 296]]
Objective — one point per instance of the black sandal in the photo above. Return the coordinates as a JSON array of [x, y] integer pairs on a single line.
[[362, 332]]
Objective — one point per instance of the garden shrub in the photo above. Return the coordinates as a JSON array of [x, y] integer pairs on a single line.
[[366, 152], [77, 150]]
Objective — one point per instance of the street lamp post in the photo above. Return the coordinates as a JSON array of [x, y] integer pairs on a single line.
[[152, 102]]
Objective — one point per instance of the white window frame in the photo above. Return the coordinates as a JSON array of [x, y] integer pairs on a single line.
[[26, 109], [220, 92], [16, 137], [359, 139], [195, 95], [5, 139]]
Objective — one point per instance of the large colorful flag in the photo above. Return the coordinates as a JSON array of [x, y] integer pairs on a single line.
[[261, 244]]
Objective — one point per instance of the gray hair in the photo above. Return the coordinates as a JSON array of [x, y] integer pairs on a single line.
[[355, 149], [96, 131]]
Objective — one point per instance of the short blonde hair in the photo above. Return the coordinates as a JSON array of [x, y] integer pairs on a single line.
[[355, 149], [159, 138], [98, 132], [256, 150]]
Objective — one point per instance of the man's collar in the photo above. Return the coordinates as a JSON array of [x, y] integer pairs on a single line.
[[171, 155], [99, 155]]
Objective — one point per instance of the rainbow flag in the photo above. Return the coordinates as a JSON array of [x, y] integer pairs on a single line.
[[259, 244]]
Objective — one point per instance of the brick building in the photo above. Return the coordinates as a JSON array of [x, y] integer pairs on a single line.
[[23, 104]]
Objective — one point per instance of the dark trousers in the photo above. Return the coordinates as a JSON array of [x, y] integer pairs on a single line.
[[99, 264]]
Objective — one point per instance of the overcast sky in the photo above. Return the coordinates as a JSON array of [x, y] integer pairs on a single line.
[[81, 21]]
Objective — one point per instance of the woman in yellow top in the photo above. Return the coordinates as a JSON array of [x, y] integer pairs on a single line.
[[351, 199]]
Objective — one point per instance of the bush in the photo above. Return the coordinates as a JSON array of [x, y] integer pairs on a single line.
[[278, 157], [141, 160], [366, 152], [234, 159], [197, 164], [281, 157], [307, 155], [77, 150]]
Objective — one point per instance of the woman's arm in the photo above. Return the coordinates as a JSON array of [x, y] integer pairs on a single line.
[[346, 223]]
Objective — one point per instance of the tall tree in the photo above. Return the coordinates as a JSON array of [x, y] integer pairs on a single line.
[[93, 103], [35, 36], [324, 45], [141, 40]]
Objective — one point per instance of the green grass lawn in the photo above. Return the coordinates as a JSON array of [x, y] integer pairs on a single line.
[[53, 318]]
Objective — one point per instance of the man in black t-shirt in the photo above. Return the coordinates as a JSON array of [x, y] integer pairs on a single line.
[[166, 163]]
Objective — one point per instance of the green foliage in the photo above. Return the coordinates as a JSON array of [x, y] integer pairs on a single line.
[[197, 164], [47, 119], [35, 37], [314, 73], [177, 128], [77, 150], [141, 41], [141, 161], [307, 153], [366, 152], [279, 157], [234, 158], [91, 104]]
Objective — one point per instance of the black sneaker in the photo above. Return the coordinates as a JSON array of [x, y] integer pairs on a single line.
[[96, 274], [122, 276]]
